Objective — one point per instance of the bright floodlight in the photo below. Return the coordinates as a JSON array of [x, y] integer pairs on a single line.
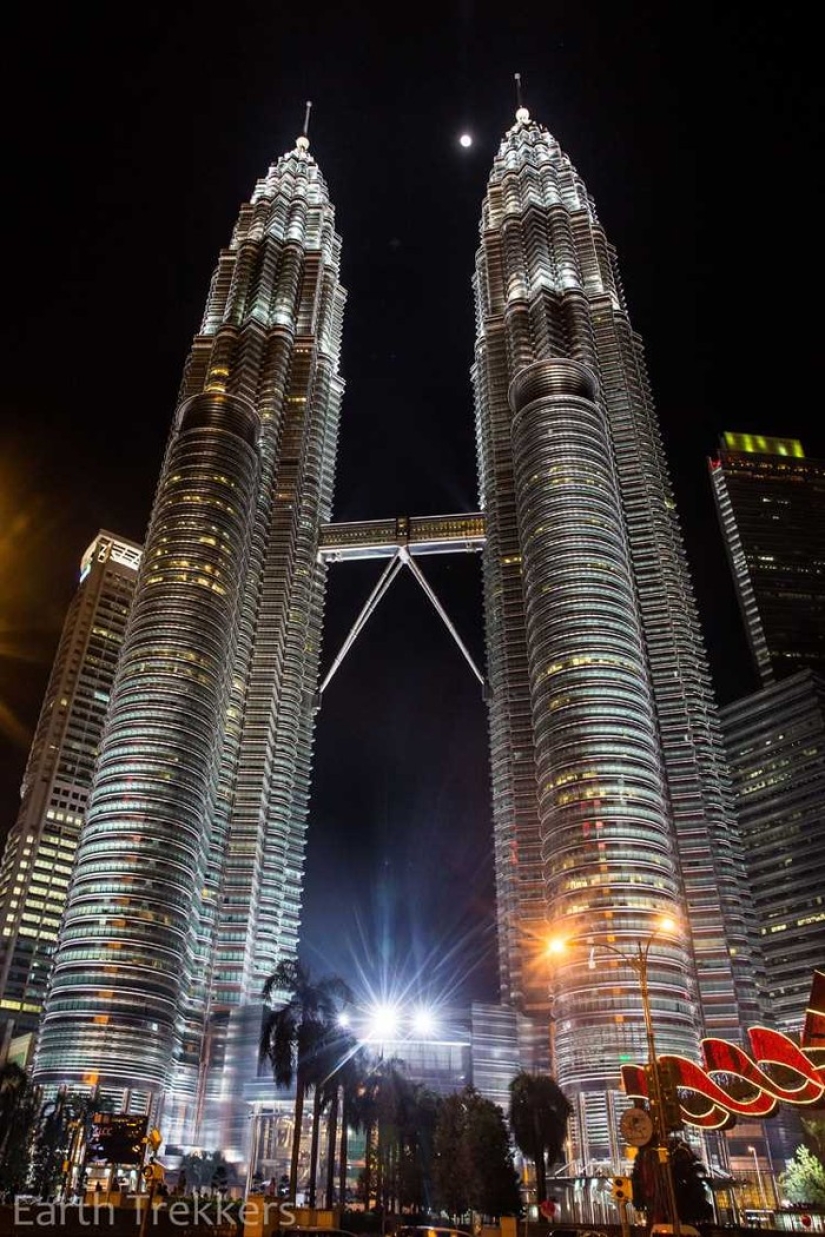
[[465, 140], [556, 945], [383, 1022], [423, 1022], [343, 1019], [667, 924]]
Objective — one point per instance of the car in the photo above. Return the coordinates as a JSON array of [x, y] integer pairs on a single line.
[[429, 1230], [314, 1230]]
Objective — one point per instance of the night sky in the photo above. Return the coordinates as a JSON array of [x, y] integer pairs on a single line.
[[132, 136]]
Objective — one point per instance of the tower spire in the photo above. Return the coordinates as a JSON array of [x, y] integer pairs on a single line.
[[522, 114], [302, 142]]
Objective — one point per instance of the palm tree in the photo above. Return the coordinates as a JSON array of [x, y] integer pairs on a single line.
[[352, 1075], [397, 1133], [364, 1114], [391, 1082], [378, 1106], [539, 1111], [298, 1020], [342, 1063], [328, 1054], [331, 1099]]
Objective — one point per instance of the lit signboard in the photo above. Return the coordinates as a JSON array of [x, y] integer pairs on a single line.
[[116, 1138]]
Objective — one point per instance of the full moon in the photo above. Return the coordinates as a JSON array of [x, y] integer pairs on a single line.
[[465, 140]]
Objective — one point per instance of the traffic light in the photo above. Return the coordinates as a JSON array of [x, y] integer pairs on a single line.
[[622, 1190]]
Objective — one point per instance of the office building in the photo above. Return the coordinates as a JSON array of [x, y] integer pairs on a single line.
[[610, 800], [186, 891], [770, 500], [775, 741], [41, 845]]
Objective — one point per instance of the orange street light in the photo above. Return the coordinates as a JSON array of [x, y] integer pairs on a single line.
[[637, 960]]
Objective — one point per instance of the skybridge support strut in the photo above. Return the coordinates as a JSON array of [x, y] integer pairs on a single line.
[[442, 613], [387, 576], [445, 534]]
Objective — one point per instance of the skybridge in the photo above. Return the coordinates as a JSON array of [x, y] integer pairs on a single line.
[[428, 534], [401, 541]]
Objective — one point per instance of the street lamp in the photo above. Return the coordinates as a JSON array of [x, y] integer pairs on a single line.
[[762, 1194], [638, 962]]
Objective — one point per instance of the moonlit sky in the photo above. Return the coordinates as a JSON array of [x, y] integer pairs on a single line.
[[131, 145]]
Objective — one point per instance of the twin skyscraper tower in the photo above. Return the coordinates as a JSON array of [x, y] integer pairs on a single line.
[[610, 799]]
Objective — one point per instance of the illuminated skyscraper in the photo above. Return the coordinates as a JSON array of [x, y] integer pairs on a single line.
[[770, 499], [610, 801], [186, 891], [41, 845], [599, 685], [775, 740], [771, 504]]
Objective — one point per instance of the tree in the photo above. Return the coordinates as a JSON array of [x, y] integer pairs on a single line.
[[364, 1112], [814, 1127], [473, 1165], [333, 1095], [51, 1143], [206, 1170], [19, 1105], [539, 1112], [688, 1185], [298, 1019], [393, 1094], [452, 1167], [352, 1074], [804, 1179], [495, 1189], [329, 1048], [418, 1116]]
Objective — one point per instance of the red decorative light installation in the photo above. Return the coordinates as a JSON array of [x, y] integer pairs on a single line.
[[712, 1103]]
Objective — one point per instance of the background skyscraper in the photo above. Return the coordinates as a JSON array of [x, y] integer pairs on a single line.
[[770, 500], [598, 675], [187, 887], [40, 848], [775, 740]]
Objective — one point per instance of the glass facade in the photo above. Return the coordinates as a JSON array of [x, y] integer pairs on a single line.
[[770, 501], [610, 800], [41, 845], [127, 948], [187, 888], [775, 741]]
